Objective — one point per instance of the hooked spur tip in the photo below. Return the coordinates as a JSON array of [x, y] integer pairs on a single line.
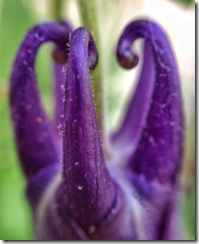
[[92, 54], [93, 61], [128, 59], [59, 56]]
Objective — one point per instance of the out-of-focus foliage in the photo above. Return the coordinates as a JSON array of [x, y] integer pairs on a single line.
[[16, 18], [186, 2], [15, 214]]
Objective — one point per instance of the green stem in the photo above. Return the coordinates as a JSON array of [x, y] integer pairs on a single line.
[[56, 6], [88, 12]]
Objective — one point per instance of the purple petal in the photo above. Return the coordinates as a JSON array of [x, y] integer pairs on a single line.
[[89, 188], [36, 137], [152, 132], [88, 204]]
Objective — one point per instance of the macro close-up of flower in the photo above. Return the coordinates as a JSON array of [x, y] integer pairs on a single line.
[[95, 156]]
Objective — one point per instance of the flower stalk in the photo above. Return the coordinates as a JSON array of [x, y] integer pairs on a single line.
[[56, 9]]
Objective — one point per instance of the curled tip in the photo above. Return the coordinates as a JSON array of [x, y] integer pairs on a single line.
[[93, 60], [59, 56], [127, 58], [92, 54]]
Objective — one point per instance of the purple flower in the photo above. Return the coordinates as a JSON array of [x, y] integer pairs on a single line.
[[75, 193]]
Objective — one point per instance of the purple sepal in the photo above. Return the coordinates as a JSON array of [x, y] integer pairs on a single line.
[[36, 137], [151, 135]]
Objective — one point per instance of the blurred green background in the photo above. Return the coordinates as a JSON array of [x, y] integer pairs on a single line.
[[16, 18]]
